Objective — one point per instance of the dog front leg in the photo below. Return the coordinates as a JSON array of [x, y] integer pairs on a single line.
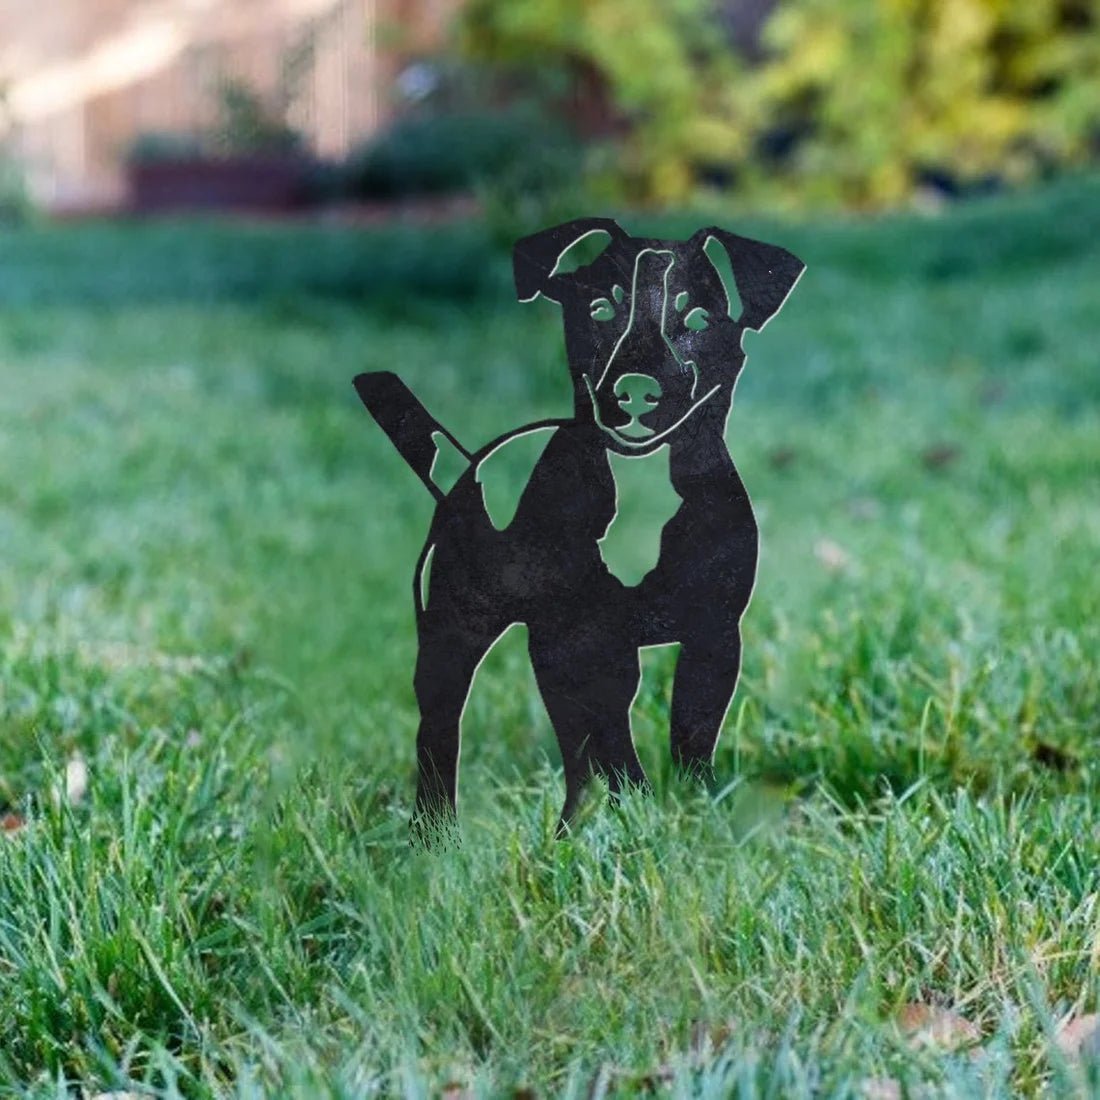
[[701, 694], [588, 690], [446, 662]]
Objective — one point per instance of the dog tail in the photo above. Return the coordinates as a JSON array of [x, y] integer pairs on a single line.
[[419, 438]]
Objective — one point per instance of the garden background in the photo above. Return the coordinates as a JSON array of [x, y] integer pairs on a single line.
[[206, 624]]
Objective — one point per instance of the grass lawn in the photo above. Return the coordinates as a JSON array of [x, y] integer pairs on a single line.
[[206, 595]]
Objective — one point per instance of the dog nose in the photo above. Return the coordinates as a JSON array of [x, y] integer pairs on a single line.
[[637, 394]]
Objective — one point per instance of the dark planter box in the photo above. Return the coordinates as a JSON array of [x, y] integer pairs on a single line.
[[274, 183]]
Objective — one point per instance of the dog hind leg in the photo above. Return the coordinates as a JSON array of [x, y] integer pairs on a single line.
[[701, 694]]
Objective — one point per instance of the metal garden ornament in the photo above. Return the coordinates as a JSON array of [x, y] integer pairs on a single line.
[[653, 332]]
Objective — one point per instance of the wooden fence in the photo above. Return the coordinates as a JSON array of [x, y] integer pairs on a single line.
[[80, 80]]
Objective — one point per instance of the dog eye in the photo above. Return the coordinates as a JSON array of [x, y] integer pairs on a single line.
[[602, 310], [697, 319]]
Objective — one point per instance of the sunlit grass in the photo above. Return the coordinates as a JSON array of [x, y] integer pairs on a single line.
[[206, 593]]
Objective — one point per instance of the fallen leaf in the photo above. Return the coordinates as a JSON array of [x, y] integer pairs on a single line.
[[1079, 1037], [659, 1078], [454, 1090], [709, 1038], [782, 457], [12, 822], [993, 394], [1050, 756], [834, 557], [940, 456], [881, 1088], [601, 1082], [929, 1025], [865, 508], [76, 779]]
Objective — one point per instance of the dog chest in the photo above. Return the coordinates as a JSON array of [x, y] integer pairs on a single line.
[[644, 502]]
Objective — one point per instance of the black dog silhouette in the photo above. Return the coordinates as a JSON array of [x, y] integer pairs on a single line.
[[653, 339]]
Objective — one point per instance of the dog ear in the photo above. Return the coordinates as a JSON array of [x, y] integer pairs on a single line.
[[765, 274], [535, 259]]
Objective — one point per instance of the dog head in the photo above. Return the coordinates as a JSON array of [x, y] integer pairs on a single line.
[[653, 328]]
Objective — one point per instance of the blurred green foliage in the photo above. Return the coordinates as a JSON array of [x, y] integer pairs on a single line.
[[437, 152], [855, 102], [15, 199], [188, 261], [207, 592], [664, 62], [152, 146], [250, 123], [472, 128], [880, 96]]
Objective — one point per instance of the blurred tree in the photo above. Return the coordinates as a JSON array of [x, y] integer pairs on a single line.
[[837, 101], [665, 63], [859, 102]]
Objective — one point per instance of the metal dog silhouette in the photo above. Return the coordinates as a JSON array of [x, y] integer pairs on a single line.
[[653, 338]]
